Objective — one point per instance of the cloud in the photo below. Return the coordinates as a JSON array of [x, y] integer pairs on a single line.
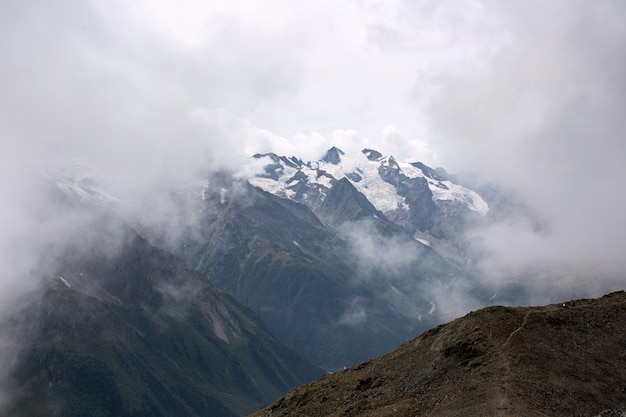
[[400, 272], [530, 96], [355, 314], [544, 116], [379, 254], [145, 88]]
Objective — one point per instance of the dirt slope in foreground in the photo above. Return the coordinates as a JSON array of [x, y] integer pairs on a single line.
[[557, 360]]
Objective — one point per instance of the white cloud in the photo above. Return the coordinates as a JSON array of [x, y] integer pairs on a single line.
[[545, 117]]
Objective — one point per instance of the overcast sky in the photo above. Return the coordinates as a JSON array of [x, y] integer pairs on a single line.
[[528, 93], [133, 74], [456, 83]]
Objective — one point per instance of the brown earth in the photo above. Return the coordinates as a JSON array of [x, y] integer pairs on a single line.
[[558, 360]]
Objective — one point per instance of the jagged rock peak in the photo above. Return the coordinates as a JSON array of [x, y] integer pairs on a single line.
[[270, 155], [390, 162], [333, 156], [371, 154], [438, 174], [291, 161], [559, 360]]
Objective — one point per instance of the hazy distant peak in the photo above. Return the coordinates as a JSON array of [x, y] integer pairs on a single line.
[[438, 174], [389, 162], [333, 156], [371, 154]]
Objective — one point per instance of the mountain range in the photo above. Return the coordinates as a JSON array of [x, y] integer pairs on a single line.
[[413, 195], [338, 256]]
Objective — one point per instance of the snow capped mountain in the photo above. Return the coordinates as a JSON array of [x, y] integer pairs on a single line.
[[77, 177], [410, 193], [399, 189]]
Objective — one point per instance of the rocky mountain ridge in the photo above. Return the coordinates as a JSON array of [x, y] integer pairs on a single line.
[[564, 359]]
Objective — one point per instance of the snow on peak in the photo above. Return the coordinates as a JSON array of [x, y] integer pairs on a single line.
[[362, 170], [81, 179]]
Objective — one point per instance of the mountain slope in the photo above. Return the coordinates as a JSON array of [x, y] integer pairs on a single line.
[[559, 360], [344, 203], [297, 274], [130, 331]]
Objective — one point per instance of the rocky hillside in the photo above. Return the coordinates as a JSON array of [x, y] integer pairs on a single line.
[[559, 360]]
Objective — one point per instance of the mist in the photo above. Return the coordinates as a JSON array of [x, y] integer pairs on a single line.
[[543, 115]]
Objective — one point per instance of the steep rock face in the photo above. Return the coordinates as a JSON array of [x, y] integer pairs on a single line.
[[130, 331], [559, 360], [344, 203], [421, 212], [333, 156]]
